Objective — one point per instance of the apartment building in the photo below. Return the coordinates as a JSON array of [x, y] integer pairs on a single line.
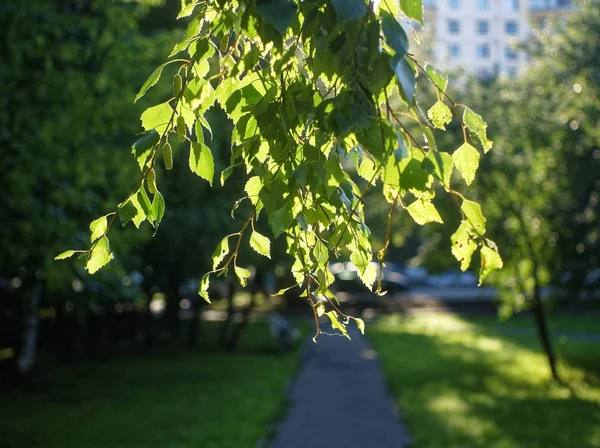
[[482, 36]]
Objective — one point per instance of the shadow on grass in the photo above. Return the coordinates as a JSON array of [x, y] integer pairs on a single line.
[[172, 398], [464, 387]]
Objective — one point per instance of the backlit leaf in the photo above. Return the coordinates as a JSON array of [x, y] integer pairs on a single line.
[[413, 9], [242, 275], [423, 212], [202, 162], [466, 160], [157, 117], [490, 261], [477, 126], [98, 228], [260, 244], [99, 256], [440, 115]]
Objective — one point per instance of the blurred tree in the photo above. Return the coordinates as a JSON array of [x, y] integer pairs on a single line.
[[540, 187], [66, 68]]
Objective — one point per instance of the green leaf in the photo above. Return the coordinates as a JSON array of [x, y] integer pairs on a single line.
[[369, 276], [440, 165], [336, 324], [360, 259], [129, 212], [463, 245], [283, 291], [280, 220], [349, 10], [203, 287], [220, 252], [413, 9], [359, 323], [394, 34], [406, 78], [423, 212], [226, 173], [320, 308], [278, 13], [202, 162], [466, 160], [438, 78], [413, 176], [65, 254], [243, 275], [260, 244], [490, 261], [98, 228], [151, 81], [157, 210], [477, 126], [321, 253], [157, 117], [142, 148], [440, 115], [187, 10], [474, 215], [99, 256], [253, 187]]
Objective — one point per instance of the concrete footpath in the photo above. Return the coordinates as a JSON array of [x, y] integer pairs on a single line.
[[340, 400]]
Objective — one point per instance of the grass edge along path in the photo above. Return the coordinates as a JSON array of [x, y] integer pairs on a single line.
[[460, 385]]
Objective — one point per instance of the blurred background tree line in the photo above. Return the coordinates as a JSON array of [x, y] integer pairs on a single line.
[[68, 73]]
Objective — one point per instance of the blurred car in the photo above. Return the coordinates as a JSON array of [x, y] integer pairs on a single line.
[[347, 278], [453, 278]]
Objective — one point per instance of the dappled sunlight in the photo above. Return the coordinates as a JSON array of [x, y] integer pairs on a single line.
[[459, 415], [464, 385]]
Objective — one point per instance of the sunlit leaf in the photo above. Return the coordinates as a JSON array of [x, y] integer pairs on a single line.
[[466, 160], [490, 261], [201, 161], [423, 212], [99, 256], [260, 243], [477, 126], [440, 115], [98, 228], [65, 254], [242, 275]]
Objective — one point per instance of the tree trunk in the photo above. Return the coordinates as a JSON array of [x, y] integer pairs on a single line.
[[542, 324], [31, 326]]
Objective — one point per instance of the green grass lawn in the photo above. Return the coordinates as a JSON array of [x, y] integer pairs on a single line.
[[171, 398], [460, 384], [588, 323]]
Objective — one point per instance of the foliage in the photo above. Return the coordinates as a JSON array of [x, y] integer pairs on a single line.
[[66, 67], [320, 95], [172, 398], [460, 384], [540, 186]]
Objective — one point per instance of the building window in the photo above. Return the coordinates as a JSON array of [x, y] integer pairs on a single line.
[[511, 72], [483, 5], [454, 4], [483, 27], [453, 26], [482, 51], [511, 28], [454, 51], [510, 53], [511, 5]]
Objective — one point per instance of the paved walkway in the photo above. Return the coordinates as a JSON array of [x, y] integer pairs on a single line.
[[339, 400]]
